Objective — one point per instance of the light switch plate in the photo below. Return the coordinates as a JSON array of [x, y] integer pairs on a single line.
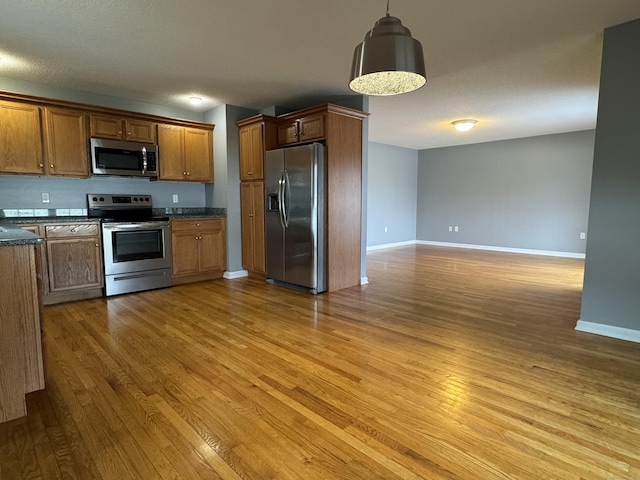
[[45, 197]]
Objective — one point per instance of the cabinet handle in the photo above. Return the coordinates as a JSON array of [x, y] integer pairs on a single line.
[[197, 224], [128, 134], [119, 132], [97, 244], [42, 165], [51, 165], [249, 173]]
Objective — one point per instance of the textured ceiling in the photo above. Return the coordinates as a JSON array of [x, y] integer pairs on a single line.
[[519, 68]]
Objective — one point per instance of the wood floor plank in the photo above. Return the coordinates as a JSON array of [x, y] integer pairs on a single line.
[[449, 364]]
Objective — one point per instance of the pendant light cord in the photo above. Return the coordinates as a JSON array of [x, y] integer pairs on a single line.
[[387, 8]]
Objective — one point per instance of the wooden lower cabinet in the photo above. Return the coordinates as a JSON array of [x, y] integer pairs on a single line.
[[71, 261], [21, 357], [198, 249], [252, 213]]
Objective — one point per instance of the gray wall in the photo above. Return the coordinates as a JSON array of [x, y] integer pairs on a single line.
[[392, 194], [18, 191], [529, 193], [226, 189], [611, 293]]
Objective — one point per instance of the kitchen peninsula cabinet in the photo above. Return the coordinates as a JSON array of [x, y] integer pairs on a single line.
[[186, 153], [122, 128], [20, 138], [252, 213], [340, 129], [198, 249], [71, 260], [21, 352]]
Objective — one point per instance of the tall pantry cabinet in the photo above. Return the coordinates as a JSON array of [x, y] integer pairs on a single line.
[[340, 129], [257, 134]]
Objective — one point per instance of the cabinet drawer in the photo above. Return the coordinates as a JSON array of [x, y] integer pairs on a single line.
[[72, 230], [197, 224]]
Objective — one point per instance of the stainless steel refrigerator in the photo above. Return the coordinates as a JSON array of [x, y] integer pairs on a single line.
[[295, 217]]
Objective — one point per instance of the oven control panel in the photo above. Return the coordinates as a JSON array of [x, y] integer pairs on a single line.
[[100, 200]]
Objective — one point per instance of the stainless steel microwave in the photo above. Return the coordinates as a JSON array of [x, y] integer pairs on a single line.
[[131, 159]]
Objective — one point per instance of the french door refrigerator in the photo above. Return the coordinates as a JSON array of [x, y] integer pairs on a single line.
[[295, 217]]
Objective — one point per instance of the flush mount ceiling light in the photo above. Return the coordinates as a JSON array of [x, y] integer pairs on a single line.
[[388, 61], [195, 101], [464, 125]]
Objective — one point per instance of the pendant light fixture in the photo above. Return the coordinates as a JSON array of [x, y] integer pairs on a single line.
[[388, 61]]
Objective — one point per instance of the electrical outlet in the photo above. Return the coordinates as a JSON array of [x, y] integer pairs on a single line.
[[175, 198], [450, 228], [455, 228], [45, 197], [583, 235]]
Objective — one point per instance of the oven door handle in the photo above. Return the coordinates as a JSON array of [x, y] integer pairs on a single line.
[[135, 226]]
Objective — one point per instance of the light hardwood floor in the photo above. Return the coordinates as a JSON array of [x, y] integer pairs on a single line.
[[450, 364]]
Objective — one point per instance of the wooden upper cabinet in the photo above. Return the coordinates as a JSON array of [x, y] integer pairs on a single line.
[[122, 128], [20, 138], [257, 134], [301, 130], [171, 152], [251, 152], [198, 146], [66, 142], [185, 154]]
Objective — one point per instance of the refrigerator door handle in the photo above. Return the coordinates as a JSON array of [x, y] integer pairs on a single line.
[[281, 206], [286, 193]]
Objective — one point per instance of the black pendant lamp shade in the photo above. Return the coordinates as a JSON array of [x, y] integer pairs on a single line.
[[388, 61]]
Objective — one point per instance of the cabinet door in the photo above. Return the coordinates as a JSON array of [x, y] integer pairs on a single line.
[[184, 249], [288, 132], [252, 152], [252, 214], [198, 146], [20, 138], [74, 264], [212, 249], [171, 152], [140, 131], [311, 128], [67, 152], [106, 126]]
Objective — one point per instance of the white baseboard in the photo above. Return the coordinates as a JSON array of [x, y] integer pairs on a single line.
[[526, 251], [364, 280], [609, 331], [390, 245], [237, 274]]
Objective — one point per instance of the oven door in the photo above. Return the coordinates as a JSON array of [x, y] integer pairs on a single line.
[[136, 246]]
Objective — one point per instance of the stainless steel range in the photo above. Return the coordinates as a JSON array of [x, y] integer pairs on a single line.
[[136, 245]]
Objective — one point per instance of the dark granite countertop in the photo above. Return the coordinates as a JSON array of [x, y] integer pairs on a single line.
[[12, 235], [24, 216]]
